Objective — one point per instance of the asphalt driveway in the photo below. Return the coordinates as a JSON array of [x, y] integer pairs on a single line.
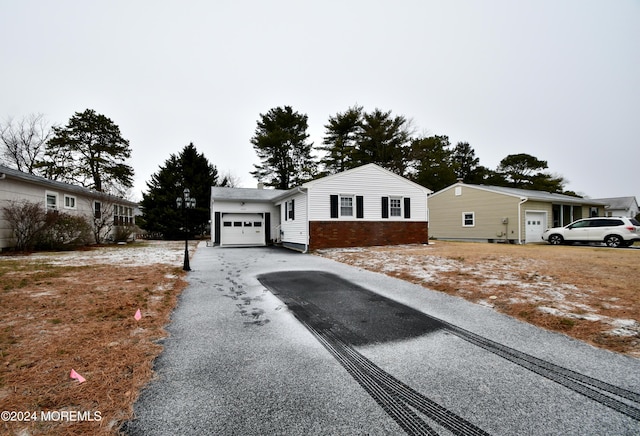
[[268, 341]]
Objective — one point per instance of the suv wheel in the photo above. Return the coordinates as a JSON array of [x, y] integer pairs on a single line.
[[614, 241], [556, 240]]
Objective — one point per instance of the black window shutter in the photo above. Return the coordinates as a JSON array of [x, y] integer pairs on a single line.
[[407, 207], [286, 210], [334, 206], [385, 207], [293, 210], [359, 206]]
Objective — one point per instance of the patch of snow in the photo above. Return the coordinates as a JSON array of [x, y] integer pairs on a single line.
[[567, 314], [485, 303], [621, 332], [136, 254], [551, 311], [591, 317], [625, 323], [41, 294]]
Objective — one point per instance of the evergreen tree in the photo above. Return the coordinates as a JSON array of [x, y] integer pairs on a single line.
[[464, 161], [340, 140], [280, 140], [383, 140], [89, 151], [522, 171], [431, 162], [191, 170]]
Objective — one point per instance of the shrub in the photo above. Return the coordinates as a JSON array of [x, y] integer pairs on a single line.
[[34, 227], [64, 231], [27, 221], [123, 233]]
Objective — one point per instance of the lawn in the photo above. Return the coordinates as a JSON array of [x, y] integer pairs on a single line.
[[589, 293], [75, 310]]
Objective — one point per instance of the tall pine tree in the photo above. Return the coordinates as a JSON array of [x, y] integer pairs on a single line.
[[280, 140], [431, 162], [91, 152], [383, 140], [340, 140]]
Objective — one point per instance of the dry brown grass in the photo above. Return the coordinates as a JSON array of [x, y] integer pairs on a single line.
[[589, 293], [54, 318]]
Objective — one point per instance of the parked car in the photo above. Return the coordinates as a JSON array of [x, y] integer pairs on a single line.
[[613, 231]]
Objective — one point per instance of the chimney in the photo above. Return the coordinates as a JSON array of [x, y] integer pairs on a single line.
[[260, 185]]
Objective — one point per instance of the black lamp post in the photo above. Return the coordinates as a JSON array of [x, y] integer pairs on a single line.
[[186, 202]]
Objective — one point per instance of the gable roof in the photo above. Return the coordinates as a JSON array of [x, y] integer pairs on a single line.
[[265, 195], [54, 184], [364, 168], [624, 203], [529, 194]]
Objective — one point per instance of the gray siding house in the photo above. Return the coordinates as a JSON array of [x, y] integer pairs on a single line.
[[17, 186], [499, 214]]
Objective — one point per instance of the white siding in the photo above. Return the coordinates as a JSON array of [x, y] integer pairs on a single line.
[[372, 183], [236, 206], [295, 231]]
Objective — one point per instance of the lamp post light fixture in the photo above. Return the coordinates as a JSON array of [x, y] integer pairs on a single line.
[[186, 202]]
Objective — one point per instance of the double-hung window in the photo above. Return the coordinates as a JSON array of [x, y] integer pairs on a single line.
[[51, 201], [290, 210], [346, 205], [468, 219], [395, 206]]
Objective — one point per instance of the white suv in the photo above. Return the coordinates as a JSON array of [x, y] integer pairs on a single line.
[[613, 231]]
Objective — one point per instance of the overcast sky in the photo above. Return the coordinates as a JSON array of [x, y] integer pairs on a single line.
[[557, 79]]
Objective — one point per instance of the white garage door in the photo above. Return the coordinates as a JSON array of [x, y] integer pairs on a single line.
[[535, 224], [242, 229]]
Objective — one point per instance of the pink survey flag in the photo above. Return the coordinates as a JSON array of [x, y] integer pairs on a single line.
[[138, 315], [77, 376]]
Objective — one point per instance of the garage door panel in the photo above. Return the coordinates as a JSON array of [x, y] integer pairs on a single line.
[[242, 229]]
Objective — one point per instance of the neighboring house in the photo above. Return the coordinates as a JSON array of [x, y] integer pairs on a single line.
[[363, 206], [620, 206], [499, 214], [58, 196]]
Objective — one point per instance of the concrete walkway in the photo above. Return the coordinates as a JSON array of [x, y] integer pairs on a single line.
[[237, 361]]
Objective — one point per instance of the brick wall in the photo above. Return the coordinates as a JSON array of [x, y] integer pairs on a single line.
[[336, 234]]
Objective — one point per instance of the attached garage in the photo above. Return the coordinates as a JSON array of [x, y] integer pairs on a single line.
[[468, 212], [243, 217], [242, 229]]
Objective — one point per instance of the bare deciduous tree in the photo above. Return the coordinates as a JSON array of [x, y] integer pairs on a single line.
[[102, 218], [23, 142], [229, 179]]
